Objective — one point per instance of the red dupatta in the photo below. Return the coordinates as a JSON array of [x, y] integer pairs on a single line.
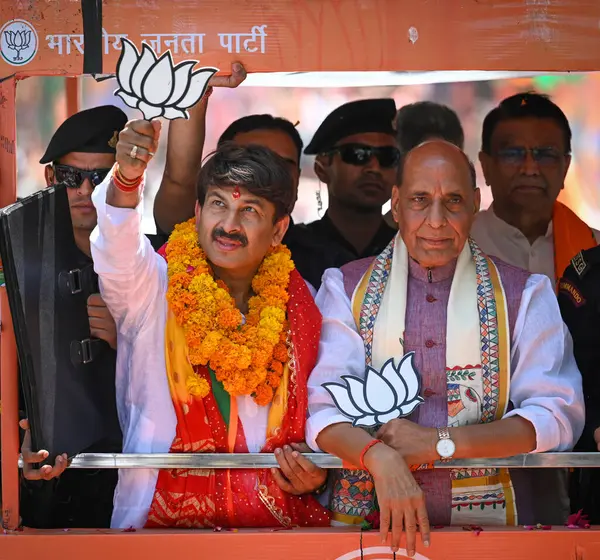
[[240, 497]]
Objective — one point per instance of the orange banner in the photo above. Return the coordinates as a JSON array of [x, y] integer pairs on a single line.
[[329, 544], [40, 37], [8, 156]]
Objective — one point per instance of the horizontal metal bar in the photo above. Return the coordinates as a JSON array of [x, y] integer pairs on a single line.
[[267, 460]]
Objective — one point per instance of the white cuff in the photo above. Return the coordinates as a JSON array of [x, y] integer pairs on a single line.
[[318, 421]]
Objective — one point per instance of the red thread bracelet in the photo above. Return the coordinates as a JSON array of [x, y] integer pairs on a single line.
[[364, 452]]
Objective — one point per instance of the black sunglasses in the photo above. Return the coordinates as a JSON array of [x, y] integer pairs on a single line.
[[361, 154], [542, 156], [73, 177]]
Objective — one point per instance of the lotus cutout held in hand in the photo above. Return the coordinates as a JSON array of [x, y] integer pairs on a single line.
[[155, 86], [382, 396]]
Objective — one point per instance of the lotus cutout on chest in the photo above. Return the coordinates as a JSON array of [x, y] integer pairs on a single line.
[[155, 86], [381, 396]]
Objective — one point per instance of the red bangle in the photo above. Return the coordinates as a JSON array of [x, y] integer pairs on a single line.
[[364, 452], [124, 180], [125, 187]]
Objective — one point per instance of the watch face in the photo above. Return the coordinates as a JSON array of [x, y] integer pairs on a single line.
[[445, 448]]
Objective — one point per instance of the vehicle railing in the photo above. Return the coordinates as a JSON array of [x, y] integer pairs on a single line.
[[323, 460]]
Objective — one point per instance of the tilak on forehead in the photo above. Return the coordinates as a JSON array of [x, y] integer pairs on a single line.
[[236, 192]]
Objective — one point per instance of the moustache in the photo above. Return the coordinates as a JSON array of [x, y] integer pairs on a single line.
[[538, 182], [237, 237]]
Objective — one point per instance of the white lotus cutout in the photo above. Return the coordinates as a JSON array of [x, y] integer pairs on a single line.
[[381, 396], [156, 87]]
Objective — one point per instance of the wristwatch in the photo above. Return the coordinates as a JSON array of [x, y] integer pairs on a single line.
[[445, 447]]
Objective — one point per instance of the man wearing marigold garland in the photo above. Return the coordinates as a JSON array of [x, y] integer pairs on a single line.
[[217, 337]]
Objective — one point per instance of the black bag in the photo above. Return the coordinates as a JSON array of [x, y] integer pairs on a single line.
[[67, 378]]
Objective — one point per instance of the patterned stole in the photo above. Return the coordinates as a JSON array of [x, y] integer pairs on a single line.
[[239, 497], [482, 496]]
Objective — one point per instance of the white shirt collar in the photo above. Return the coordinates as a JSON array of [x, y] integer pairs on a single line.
[[512, 230]]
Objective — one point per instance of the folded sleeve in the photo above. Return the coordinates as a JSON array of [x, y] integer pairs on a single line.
[[132, 276], [341, 352], [546, 386]]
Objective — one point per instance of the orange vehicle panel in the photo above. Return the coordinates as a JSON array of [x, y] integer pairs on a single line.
[[312, 35], [301, 544]]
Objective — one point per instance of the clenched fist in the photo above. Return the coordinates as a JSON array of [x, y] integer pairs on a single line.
[[138, 143]]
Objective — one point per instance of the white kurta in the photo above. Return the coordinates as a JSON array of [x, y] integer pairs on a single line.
[[133, 283], [545, 385], [497, 238]]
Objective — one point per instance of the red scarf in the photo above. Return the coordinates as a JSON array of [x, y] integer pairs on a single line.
[[242, 498]]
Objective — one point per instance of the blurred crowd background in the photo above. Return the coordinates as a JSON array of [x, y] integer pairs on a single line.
[[41, 107]]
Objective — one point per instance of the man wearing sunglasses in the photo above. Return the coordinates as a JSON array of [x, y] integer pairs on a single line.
[[357, 158], [525, 156], [79, 155]]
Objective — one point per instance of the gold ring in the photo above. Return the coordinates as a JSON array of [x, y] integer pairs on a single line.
[[133, 153]]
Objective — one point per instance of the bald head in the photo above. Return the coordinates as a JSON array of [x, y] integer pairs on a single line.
[[436, 202], [438, 148]]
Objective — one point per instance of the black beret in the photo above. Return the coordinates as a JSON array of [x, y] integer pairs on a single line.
[[91, 131], [356, 117]]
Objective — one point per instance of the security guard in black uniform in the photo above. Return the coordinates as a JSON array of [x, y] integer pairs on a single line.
[[579, 301], [357, 157], [79, 155]]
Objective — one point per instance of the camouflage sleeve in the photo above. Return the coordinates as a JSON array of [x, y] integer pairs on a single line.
[[578, 300]]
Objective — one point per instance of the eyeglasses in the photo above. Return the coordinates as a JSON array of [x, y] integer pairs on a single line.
[[73, 177], [361, 154], [542, 156]]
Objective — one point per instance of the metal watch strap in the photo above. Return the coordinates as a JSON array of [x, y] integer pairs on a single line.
[[443, 433]]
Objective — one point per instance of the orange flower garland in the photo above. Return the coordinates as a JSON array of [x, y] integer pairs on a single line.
[[247, 357]]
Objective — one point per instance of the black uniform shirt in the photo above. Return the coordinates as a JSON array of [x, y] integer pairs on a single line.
[[319, 245], [579, 301]]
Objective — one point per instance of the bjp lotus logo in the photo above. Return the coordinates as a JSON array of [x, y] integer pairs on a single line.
[[381, 396], [155, 86], [18, 42]]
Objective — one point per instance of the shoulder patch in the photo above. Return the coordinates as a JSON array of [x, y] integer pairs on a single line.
[[572, 292], [580, 264]]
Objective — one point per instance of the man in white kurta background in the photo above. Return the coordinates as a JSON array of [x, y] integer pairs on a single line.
[[525, 156], [494, 356]]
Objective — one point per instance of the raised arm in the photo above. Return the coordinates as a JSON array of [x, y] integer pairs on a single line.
[[132, 275], [176, 197]]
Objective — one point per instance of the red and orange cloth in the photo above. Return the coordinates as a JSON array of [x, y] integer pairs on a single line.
[[240, 497]]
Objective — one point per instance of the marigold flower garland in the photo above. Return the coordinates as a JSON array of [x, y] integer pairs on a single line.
[[248, 358]]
